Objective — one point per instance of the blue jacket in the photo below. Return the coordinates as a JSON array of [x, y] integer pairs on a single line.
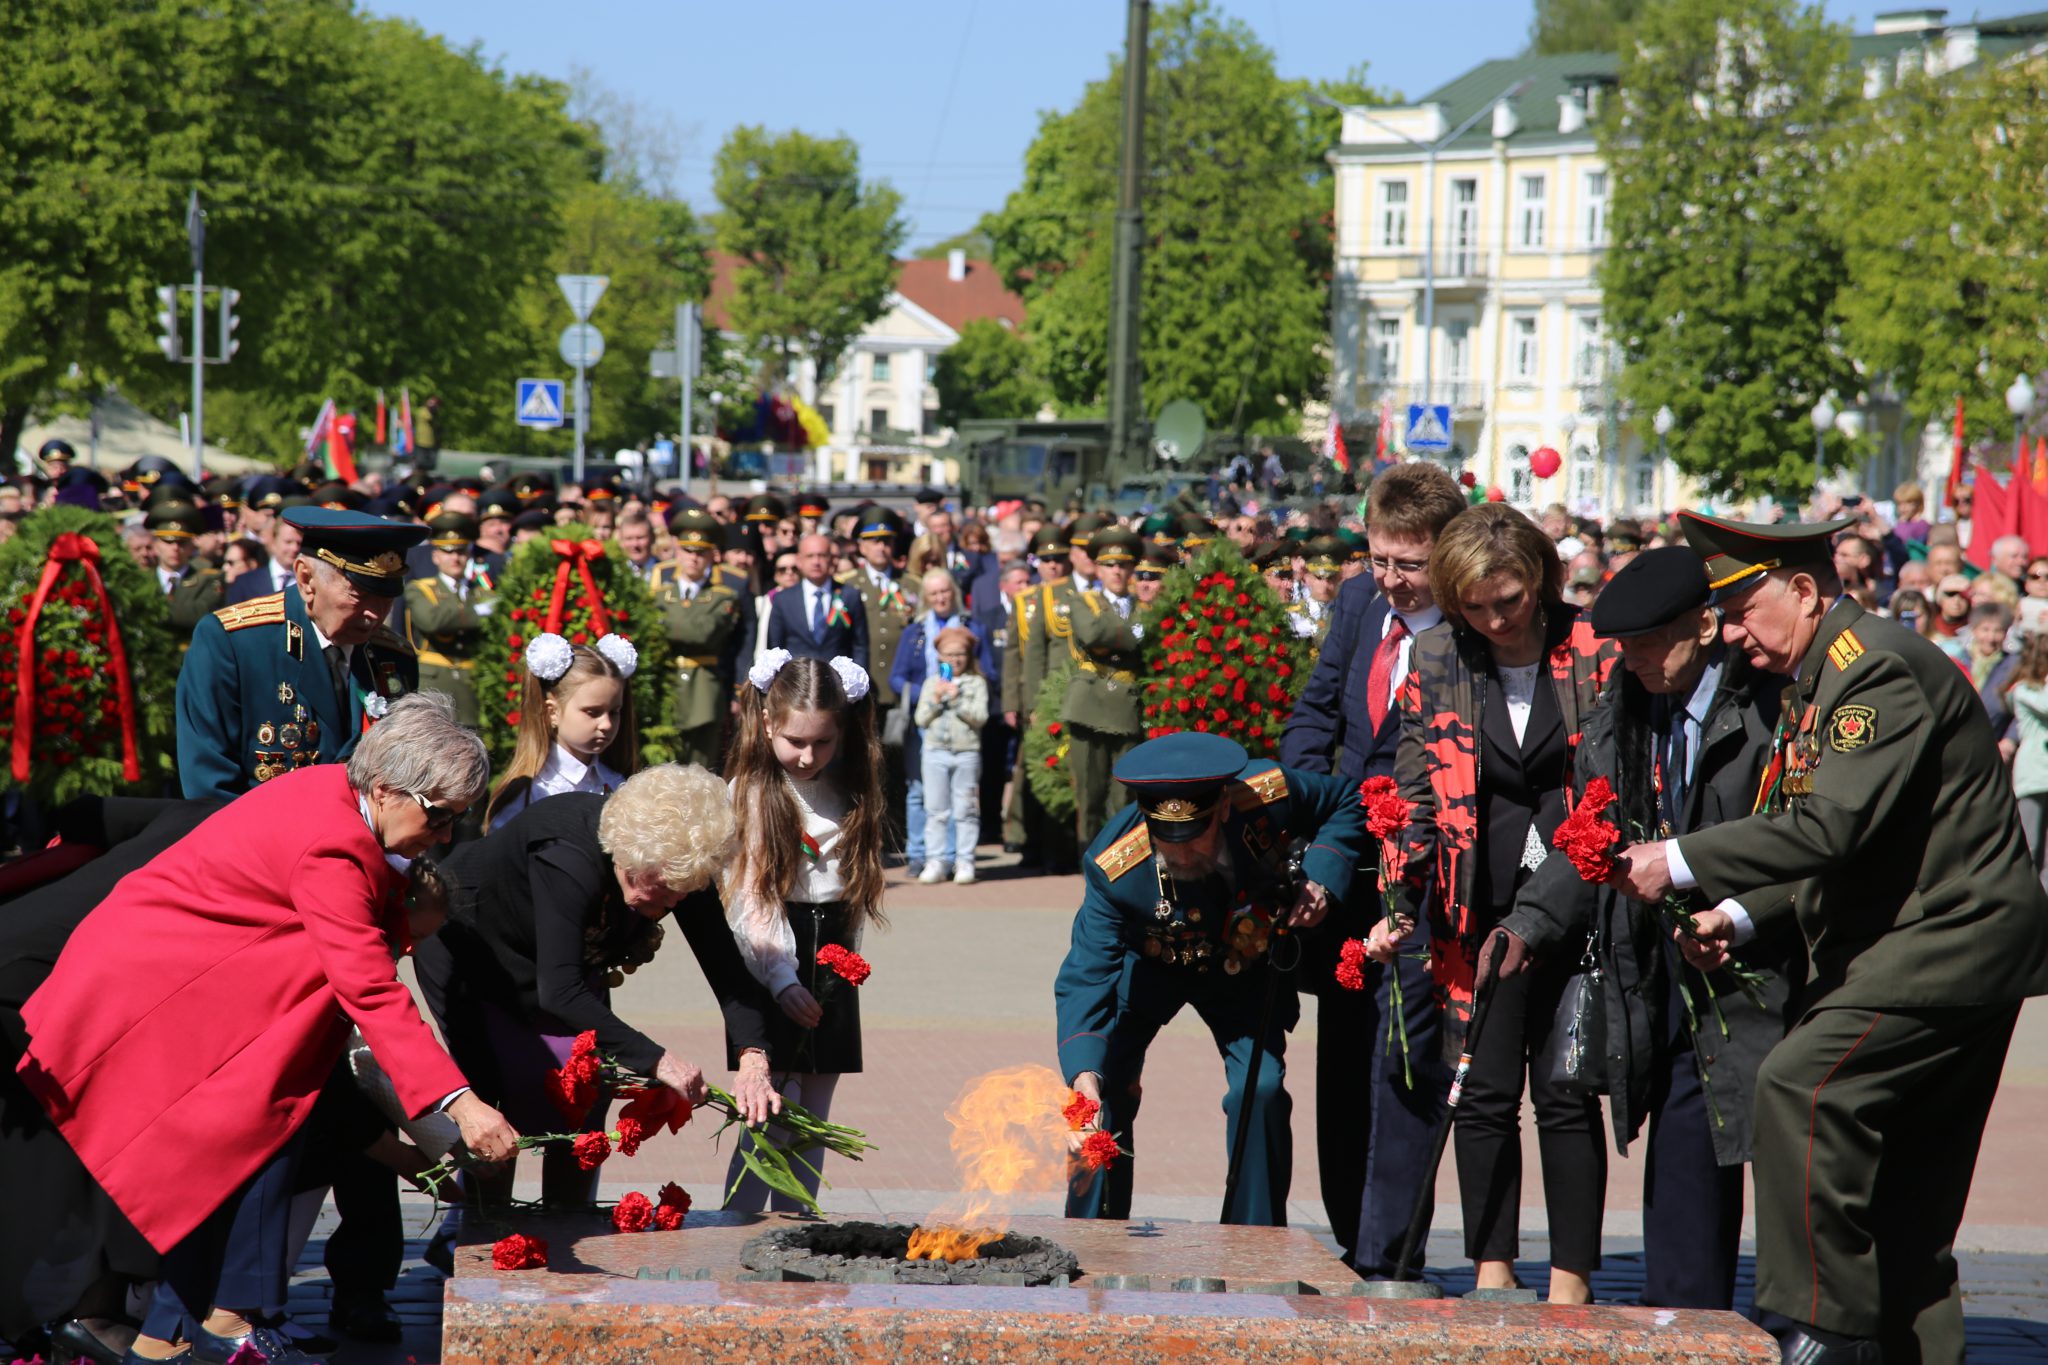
[[1269, 806], [255, 698], [789, 628], [1330, 730], [907, 676]]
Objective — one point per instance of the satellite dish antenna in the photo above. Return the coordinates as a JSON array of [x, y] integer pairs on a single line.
[[1179, 432]]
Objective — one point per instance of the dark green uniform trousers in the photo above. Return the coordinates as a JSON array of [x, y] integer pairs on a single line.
[[1867, 1130], [701, 745], [1091, 758], [1151, 994]]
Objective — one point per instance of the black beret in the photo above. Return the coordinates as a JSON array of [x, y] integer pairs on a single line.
[[1649, 592]]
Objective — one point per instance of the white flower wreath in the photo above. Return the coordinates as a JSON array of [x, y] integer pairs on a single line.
[[853, 679], [548, 656], [767, 664], [620, 651]]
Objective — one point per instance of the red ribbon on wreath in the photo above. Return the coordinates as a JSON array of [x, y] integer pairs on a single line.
[[67, 549], [576, 555]]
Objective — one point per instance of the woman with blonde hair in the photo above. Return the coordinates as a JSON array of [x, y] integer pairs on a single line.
[[1494, 702]]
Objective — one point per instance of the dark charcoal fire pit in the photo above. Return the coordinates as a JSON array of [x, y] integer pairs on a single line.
[[873, 1253]]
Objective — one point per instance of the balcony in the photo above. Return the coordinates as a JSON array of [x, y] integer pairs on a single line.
[[1467, 397], [1456, 269]]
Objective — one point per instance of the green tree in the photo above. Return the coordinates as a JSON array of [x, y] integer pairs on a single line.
[[987, 373], [1721, 289], [1582, 25], [1939, 209], [975, 242], [817, 245], [1234, 310]]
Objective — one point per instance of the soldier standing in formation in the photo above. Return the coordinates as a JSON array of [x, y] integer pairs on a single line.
[[1103, 712], [710, 627], [194, 588], [445, 615], [1044, 611], [889, 605], [1324, 573]]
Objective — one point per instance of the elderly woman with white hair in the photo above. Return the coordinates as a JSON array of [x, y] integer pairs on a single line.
[[194, 1015], [550, 910]]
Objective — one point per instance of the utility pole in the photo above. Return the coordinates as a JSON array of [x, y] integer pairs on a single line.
[[1126, 395], [195, 232], [687, 352]]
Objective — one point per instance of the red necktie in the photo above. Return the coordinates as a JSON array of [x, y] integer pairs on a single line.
[[1381, 679]]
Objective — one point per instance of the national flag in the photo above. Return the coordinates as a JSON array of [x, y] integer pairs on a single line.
[[325, 444], [380, 417], [1996, 511], [1955, 471], [341, 446], [401, 434], [813, 852], [1386, 425], [1333, 445], [2041, 465]]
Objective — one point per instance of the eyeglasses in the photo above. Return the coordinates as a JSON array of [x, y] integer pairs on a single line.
[[2036, 575], [1406, 567], [781, 569], [1955, 592], [438, 817]]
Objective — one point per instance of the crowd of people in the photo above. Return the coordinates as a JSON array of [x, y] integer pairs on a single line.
[[848, 689]]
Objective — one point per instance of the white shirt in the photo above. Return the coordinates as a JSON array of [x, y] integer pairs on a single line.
[[1417, 622], [1122, 604], [1518, 687], [762, 930], [281, 576], [563, 772], [166, 579]]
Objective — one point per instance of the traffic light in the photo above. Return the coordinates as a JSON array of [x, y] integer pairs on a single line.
[[167, 319], [229, 321]]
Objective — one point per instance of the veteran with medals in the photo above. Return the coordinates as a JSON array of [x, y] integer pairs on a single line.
[[444, 614], [293, 679], [1189, 900], [710, 627], [1885, 803]]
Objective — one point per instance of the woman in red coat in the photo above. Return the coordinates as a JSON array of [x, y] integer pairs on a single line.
[[194, 1015]]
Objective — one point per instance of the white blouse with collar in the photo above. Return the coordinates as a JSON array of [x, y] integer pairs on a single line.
[[563, 772], [762, 931]]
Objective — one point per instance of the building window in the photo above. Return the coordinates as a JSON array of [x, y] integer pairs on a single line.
[[1383, 354], [1521, 483], [1462, 257], [931, 366], [1529, 195], [825, 415], [878, 420], [1585, 479], [1393, 214], [1458, 362], [880, 370], [1589, 350], [931, 422], [1643, 486], [1596, 209], [1524, 363]]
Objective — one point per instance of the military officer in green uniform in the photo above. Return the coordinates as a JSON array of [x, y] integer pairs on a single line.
[[289, 679], [890, 606], [1323, 574], [1081, 532], [1102, 711], [194, 588], [445, 614], [1148, 580], [1187, 901], [710, 629], [1044, 611], [1886, 808]]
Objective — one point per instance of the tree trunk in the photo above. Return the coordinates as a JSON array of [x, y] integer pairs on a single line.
[[13, 421]]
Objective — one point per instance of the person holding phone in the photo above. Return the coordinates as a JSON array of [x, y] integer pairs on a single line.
[[950, 713]]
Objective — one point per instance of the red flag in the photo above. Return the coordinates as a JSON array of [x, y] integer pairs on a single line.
[[1386, 421], [2041, 465], [341, 441], [1955, 469], [380, 417], [1996, 511], [403, 443], [1334, 445]]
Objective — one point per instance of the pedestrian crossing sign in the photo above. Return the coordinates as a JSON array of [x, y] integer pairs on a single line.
[[1429, 428], [539, 403]]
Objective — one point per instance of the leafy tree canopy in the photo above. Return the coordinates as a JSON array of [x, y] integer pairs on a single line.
[[1582, 25], [987, 373]]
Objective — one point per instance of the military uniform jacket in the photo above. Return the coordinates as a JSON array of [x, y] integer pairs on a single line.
[[1268, 807], [446, 631], [1556, 907], [889, 615], [1316, 630], [255, 698], [1104, 647], [1044, 620], [1895, 816], [199, 590], [710, 633]]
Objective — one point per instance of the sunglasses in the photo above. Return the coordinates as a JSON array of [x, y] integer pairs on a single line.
[[438, 817], [2036, 575]]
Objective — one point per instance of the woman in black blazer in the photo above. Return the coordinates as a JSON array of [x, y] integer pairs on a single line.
[[549, 911]]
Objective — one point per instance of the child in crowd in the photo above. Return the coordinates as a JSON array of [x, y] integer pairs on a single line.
[[951, 710], [576, 731], [805, 771]]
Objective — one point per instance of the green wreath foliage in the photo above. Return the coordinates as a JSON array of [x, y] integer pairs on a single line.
[[523, 592], [75, 746], [1045, 746], [1220, 654]]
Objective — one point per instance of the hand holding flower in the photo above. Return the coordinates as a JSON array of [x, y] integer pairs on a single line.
[[754, 1091], [801, 1006], [484, 1130], [681, 1077], [1386, 938], [1642, 872], [1713, 934]]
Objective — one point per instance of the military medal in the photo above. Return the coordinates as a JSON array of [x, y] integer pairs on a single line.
[[266, 733], [1162, 911], [291, 736], [285, 693], [299, 714], [312, 732]]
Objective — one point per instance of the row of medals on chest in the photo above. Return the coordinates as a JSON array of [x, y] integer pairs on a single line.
[[1169, 938], [300, 729]]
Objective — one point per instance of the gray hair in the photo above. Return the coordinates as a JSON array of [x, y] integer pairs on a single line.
[[418, 748]]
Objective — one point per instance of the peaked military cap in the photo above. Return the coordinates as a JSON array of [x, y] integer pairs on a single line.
[[497, 503], [223, 491], [534, 519], [531, 484], [370, 550], [1178, 779], [175, 521], [695, 529], [1196, 530], [451, 531], [1081, 531], [1739, 553], [338, 496], [56, 448], [395, 501], [1325, 554], [736, 536], [268, 491], [1115, 545], [601, 491], [1158, 559], [809, 504], [1049, 542], [879, 523], [1649, 592], [766, 507]]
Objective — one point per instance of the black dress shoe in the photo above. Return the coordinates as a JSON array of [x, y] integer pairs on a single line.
[[366, 1317], [301, 1336], [1800, 1347], [267, 1341], [73, 1340]]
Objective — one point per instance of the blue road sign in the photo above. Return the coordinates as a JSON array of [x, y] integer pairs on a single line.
[[539, 403], [1429, 428]]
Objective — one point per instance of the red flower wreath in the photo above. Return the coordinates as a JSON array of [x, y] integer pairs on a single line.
[[1586, 839], [520, 1252], [851, 966]]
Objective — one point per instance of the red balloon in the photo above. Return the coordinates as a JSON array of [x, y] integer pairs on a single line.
[[1495, 494], [1544, 462]]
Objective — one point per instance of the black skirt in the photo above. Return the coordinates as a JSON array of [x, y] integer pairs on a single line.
[[833, 1047]]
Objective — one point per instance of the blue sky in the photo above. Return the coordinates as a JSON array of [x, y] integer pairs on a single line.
[[942, 97]]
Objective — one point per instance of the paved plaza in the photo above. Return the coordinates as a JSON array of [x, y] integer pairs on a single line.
[[963, 985]]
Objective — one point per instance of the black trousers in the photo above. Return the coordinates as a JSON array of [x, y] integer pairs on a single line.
[[1516, 1044], [1692, 1207], [365, 1249], [235, 1258]]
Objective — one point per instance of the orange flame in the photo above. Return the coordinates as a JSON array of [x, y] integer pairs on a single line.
[[1009, 1139]]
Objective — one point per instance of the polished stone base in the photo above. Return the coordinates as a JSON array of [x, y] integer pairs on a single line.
[[1183, 1291]]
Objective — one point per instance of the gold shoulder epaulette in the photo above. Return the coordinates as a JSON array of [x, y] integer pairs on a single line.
[[1126, 853], [387, 638], [1260, 789], [429, 589], [1846, 650], [1094, 603], [258, 611], [847, 577]]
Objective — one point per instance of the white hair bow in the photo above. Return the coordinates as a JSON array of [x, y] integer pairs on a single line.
[[767, 664], [620, 651], [548, 656], [853, 679]]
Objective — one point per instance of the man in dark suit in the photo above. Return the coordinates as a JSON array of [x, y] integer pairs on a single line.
[[281, 538], [818, 619], [1348, 723], [993, 613]]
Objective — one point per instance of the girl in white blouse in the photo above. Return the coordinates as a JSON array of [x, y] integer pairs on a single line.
[[576, 731], [806, 777]]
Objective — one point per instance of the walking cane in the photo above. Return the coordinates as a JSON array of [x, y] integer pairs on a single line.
[[1401, 1286]]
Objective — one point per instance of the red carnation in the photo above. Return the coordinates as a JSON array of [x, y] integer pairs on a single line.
[[585, 1044], [1586, 839], [851, 966], [631, 1134], [1099, 1150], [659, 1107], [1351, 964], [571, 1096], [673, 1203], [635, 1213], [520, 1252], [1080, 1111], [1386, 814], [591, 1150]]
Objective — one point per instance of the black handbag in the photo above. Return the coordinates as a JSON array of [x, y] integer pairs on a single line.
[[1578, 1032]]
